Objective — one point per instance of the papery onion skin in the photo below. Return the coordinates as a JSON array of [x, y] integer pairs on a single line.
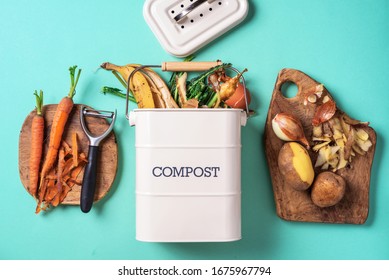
[[238, 99], [324, 112], [288, 128]]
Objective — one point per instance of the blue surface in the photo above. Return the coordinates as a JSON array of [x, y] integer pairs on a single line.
[[343, 44]]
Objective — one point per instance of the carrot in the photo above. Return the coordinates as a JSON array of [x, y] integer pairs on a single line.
[[60, 118], [37, 132]]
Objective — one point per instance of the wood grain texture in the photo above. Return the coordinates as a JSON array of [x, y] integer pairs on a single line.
[[295, 205], [108, 156]]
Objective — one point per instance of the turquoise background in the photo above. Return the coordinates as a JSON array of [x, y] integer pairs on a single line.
[[343, 44]]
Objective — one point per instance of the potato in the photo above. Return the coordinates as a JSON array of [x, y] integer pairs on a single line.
[[328, 189], [296, 166]]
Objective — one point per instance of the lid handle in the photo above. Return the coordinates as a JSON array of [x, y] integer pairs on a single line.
[[181, 66], [189, 9]]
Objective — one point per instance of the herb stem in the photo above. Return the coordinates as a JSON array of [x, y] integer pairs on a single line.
[[117, 92]]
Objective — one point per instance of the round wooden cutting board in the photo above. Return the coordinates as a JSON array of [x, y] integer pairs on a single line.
[[108, 151]]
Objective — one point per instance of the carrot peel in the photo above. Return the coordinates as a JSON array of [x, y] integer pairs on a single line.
[[61, 179]]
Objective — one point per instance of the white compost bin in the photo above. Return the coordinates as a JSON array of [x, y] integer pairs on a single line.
[[188, 174]]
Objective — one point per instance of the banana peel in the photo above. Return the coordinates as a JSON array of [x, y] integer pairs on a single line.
[[142, 91], [124, 71], [139, 85], [163, 89], [155, 85]]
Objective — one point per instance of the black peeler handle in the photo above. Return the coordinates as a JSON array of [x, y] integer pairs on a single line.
[[89, 181]]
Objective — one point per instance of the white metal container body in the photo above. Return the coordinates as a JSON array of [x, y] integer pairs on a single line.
[[188, 174]]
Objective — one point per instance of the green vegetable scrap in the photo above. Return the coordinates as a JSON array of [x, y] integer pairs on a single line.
[[198, 87]]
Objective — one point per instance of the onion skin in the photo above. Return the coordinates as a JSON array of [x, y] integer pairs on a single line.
[[288, 128], [324, 112], [237, 100]]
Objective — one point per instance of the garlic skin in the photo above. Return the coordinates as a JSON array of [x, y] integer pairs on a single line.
[[288, 128]]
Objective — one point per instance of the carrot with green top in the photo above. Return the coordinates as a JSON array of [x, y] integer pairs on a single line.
[[37, 132], [60, 118]]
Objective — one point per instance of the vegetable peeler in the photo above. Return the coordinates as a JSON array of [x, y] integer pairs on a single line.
[[89, 180]]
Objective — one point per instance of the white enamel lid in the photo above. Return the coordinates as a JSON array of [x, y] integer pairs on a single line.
[[200, 26]]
